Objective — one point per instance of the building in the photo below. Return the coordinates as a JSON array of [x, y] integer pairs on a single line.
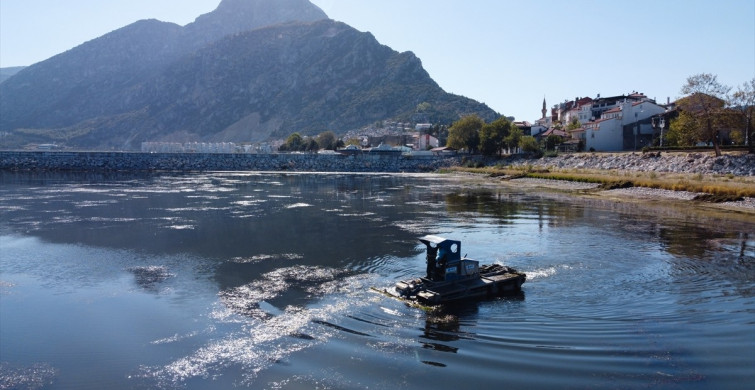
[[623, 125], [425, 142], [533, 129], [564, 112]]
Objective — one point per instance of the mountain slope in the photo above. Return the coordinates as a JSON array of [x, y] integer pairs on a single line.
[[6, 73], [129, 86]]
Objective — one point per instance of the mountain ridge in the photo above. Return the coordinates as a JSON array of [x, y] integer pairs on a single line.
[[244, 85]]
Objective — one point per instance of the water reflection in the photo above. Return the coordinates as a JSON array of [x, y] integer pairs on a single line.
[[263, 280]]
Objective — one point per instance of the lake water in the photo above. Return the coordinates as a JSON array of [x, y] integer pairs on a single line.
[[262, 281]]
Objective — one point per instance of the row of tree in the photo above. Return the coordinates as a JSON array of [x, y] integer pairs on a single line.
[[708, 107], [471, 133], [326, 140]]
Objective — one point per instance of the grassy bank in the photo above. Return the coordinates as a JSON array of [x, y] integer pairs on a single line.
[[725, 187]]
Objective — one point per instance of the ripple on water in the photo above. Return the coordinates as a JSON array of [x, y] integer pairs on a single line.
[[268, 335], [35, 376]]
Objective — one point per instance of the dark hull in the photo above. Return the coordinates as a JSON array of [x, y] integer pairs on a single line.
[[493, 280]]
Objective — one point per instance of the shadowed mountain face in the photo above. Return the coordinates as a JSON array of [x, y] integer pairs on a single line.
[[248, 71], [6, 73]]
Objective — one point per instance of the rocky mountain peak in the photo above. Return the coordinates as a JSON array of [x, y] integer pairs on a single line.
[[233, 16], [250, 70]]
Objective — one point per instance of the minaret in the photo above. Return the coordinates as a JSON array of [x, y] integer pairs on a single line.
[[544, 110]]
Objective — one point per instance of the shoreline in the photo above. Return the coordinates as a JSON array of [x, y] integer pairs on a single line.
[[637, 195]]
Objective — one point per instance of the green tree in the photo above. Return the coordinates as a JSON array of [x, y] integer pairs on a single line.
[[705, 101], [465, 133], [684, 130], [552, 141], [573, 124], [327, 140], [493, 135], [354, 141], [310, 145], [529, 144], [743, 103], [736, 137], [293, 143], [514, 139]]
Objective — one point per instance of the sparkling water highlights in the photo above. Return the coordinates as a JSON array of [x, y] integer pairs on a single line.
[[264, 281]]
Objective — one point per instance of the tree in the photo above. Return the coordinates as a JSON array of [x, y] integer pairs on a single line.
[[354, 141], [424, 107], [529, 144], [465, 133], [293, 143], [551, 141], [327, 140], [743, 103], [573, 124], [684, 130], [705, 101], [492, 136], [514, 138], [310, 145]]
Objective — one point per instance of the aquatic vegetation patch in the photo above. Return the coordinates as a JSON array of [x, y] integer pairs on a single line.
[[245, 299], [265, 257], [148, 277], [267, 338]]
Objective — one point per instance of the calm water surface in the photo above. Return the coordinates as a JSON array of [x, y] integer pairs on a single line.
[[262, 281]]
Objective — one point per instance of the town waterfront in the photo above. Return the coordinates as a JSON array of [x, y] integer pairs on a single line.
[[263, 281]]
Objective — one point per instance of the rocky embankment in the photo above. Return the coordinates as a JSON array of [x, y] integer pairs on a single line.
[[193, 162], [737, 164]]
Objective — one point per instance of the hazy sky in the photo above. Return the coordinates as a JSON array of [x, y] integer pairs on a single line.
[[508, 54]]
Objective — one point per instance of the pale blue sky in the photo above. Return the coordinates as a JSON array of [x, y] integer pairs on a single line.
[[508, 54]]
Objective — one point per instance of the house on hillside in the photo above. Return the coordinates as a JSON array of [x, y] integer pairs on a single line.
[[385, 150], [425, 142], [528, 128], [623, 125], [552, 131], [565, 112]]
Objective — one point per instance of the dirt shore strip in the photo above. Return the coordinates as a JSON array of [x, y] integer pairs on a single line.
[[747, 205]]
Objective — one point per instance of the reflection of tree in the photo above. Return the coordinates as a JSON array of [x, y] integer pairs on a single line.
[[506, 207], [688, 240], [441, 329], [443, 326], [706, 254], [743, 247]]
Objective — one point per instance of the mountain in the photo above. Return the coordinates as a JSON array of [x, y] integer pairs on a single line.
[[248, 71], [6, 73]]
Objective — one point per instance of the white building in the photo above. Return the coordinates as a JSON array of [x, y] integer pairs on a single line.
[[626, 126], [426, 142]]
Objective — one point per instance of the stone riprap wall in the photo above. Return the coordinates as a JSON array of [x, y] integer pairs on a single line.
[[126, 161], [681, 162], [678, 162]]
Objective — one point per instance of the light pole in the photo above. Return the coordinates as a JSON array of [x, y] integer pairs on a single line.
[[636, 130], [663, 124]]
